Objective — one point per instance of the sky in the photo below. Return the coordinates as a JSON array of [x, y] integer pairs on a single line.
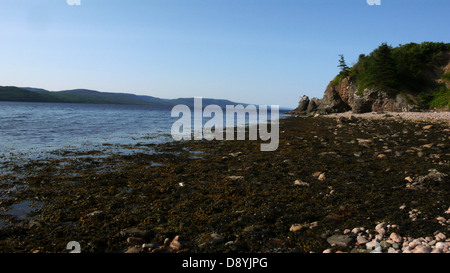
[[266, 52]]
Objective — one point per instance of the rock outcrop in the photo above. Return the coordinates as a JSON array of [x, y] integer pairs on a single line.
[[345, 96]]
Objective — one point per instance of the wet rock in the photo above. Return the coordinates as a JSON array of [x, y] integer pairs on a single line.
[[135, 241], [150, 246], [133, 250], [339, 240], [135, 232]]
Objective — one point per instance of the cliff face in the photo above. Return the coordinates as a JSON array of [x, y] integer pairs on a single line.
[[346, 95], [343, 98]]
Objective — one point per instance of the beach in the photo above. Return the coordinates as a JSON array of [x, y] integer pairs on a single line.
[[350, 179]]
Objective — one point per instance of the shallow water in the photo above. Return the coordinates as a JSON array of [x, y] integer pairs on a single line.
[[31, 130]]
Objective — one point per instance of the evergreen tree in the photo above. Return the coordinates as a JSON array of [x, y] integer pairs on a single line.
[[343, 66], [384, 69]]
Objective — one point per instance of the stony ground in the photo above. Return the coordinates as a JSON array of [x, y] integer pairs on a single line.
[[341, 184]]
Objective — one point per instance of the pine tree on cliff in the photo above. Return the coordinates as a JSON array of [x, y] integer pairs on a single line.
[[385, 70], [343, 66]]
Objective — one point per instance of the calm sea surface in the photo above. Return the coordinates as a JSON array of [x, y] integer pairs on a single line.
[[30, 130], [38, 130]]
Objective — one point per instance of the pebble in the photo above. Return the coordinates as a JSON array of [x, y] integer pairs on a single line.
[[440, 237], [301, 183], [361, 240], [321, 177], [422, 249], [389, 243], [175, 244], [395, 237], [296, 227], [372, 244], [133, 250], [135, 241]]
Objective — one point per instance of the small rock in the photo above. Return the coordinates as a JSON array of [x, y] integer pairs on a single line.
[[135, 241], [382, 225], [361, 240], [217, 238], [381, 231], [372, 244], [133, 250], [235, 177], [175, 244], [441, 245], [422, 249], [384, 244], [321, 177], [235, 154], [358, 230], [428, 127], [149, 246], [359, 250], [393, 250], [440, 237], [95, 213], [381, 156], [327, 251], [296, 227], [396, 238], [409, 179], [301, 183], [135, 232], [339, 240]]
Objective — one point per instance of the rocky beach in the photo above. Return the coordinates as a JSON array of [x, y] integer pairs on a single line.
[[337, 183]]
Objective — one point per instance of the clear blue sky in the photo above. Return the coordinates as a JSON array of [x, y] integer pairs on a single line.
[[255, 51]]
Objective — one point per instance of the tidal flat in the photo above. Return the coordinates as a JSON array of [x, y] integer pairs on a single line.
[[331, 178]]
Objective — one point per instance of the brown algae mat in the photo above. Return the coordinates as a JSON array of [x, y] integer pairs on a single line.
[[328, 175]]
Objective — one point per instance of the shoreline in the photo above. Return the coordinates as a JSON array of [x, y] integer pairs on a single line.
[[415, 116], [329, 178]]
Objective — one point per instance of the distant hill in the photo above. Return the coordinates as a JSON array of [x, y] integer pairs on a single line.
[[29, 94]]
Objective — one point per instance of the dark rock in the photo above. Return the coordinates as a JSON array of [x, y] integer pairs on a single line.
[[303, 104]]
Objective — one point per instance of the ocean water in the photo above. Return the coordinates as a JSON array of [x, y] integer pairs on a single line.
[[32, 130], [40, 130]]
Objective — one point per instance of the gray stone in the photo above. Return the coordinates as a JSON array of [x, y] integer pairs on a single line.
[[339, 240]]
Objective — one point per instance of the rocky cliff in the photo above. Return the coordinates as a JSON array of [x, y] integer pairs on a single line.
[[348, 92]]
